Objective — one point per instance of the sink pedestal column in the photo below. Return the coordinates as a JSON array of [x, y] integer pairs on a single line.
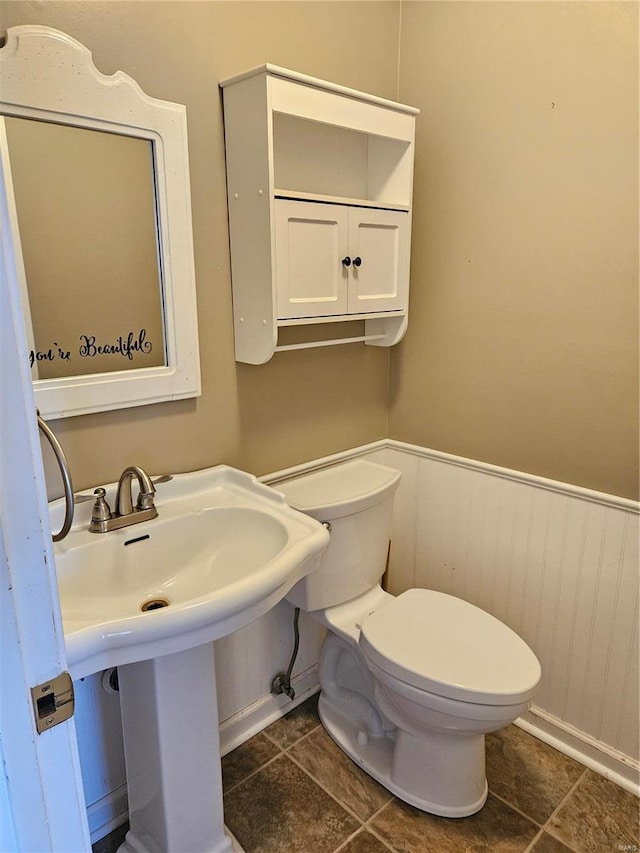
[[172, 754]]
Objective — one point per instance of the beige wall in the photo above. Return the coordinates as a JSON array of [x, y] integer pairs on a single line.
[[522, 341], [300, 405]]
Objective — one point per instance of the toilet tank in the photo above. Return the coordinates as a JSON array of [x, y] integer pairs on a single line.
[[356, 498]]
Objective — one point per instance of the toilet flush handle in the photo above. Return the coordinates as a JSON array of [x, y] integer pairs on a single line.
[[327, 525]]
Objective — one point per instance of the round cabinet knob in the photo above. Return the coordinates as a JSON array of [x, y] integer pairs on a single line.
[[346, 262], [357, 262]]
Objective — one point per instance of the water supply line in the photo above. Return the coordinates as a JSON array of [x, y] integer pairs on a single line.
[[282, 682], [66, 478]]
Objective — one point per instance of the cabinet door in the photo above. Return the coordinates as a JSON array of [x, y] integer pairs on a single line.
[[311, 241], [378, 246]]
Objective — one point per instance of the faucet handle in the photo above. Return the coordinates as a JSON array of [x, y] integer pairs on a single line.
[[145, 499], [101, 511]]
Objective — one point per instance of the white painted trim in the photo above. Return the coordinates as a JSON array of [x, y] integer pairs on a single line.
[[594, 754], [323, 462], [569, 489], [40, 783], [614, 501], [253, 719], [108, 813]]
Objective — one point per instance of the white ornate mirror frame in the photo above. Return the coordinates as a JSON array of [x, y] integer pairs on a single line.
[[49, 76]]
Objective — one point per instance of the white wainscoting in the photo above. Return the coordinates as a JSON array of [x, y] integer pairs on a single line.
[[246, 663], [99, 730], [559, 564]]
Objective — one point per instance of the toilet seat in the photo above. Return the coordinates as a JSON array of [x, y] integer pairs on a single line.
[[446, 646]]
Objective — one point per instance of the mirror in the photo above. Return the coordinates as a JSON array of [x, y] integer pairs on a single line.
[[101, 226], [85, 203]]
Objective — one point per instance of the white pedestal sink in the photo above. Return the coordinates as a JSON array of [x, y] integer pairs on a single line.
[[172, 751], [223, 550]]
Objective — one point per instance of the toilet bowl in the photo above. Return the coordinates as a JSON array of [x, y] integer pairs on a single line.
[[409, 684]]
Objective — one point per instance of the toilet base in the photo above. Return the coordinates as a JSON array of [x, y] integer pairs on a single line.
[[450, 789]]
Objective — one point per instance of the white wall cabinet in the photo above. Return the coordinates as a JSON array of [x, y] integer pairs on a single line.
[[319, 182]]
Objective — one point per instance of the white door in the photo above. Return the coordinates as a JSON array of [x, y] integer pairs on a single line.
[[41, 799], [311, 243], [378, 247]]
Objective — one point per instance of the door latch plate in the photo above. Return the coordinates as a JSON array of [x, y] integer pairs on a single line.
[[53, 701]]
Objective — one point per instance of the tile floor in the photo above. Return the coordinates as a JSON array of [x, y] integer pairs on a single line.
[[291, 790]]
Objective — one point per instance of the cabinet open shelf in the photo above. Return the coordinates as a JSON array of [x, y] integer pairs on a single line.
[[318, 175], [336, 199]]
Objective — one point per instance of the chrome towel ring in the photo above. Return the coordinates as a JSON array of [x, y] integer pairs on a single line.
[[66, 478]]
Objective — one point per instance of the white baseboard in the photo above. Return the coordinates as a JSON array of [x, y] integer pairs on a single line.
[[257, 716], [577, 745], [108, 813], [594, 754]]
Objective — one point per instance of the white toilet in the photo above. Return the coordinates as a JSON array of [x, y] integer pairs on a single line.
[[409, 685]]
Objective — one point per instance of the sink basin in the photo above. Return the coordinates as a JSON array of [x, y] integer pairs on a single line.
[[180, 560], [223, 550]]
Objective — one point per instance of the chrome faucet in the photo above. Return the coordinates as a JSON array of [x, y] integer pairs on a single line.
[[103, 520]]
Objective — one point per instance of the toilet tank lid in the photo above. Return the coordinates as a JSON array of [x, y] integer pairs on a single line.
[[340, 490]]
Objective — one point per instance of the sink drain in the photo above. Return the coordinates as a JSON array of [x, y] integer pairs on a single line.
[[154, 604]]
